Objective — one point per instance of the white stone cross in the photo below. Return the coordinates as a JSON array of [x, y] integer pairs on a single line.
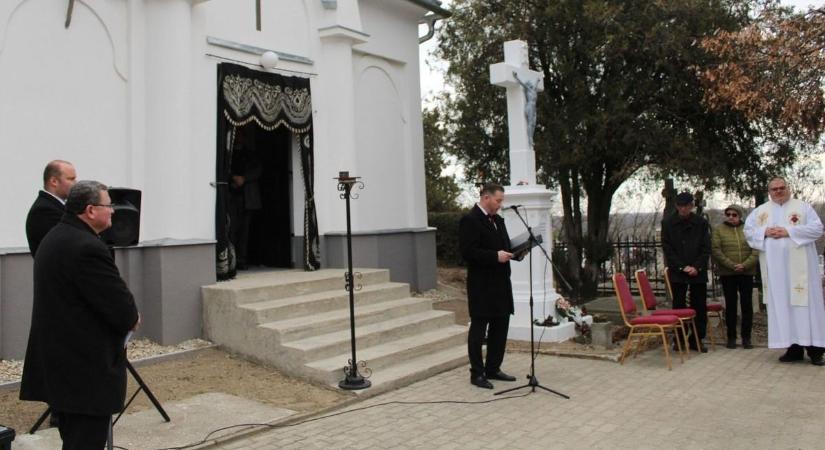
[[522, 85]]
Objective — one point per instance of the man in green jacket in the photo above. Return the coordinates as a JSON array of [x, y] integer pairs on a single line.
[[736, 265]]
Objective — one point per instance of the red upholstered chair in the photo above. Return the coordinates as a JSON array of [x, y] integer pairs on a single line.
[[685, 315], [714, 310], [644, 326]]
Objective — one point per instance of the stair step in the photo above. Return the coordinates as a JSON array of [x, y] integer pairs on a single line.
[[259, 286], [413, 370], [380, 357], [312, 325], [320, 302], [330, 344]]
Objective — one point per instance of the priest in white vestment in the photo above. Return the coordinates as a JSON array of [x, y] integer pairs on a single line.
[[784, 231]]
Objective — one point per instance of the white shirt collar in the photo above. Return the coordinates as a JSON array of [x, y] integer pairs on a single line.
[[482, 209], [62, 202]]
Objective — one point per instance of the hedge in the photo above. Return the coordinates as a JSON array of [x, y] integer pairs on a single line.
[[446, 236]]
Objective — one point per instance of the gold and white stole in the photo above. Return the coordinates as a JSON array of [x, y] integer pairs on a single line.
[[797, 257]]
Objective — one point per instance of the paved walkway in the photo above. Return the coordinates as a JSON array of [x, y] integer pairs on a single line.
[[727, 399]]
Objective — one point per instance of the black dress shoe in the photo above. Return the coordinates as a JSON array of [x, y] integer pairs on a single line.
[[791, 357], [818, 360], [746, 343], [481, 382], [701, 349], [732, 343], [501, 376]]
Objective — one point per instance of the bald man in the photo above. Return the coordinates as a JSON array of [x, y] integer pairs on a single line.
[[49, 206]]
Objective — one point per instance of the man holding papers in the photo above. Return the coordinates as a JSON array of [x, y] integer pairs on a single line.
[[485, 246]]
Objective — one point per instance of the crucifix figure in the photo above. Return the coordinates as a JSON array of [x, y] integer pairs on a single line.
[[531, 93], [523, 86], [69, 13], [258, 14]]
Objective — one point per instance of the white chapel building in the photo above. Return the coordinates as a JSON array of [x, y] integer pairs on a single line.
[[153, 94]]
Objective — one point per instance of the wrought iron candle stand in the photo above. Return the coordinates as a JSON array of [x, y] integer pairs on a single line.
[[352, 380]]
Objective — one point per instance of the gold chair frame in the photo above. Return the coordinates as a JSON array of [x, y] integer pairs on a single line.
[[719, 315], [643, 331], [686, 321]]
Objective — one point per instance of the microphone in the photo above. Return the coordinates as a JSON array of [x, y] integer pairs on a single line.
[[514, 207]]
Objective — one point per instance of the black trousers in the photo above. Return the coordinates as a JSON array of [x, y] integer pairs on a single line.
[[496, 343], [698, 302], [740, 286], [239, 221], [82, 432], [798, 350]]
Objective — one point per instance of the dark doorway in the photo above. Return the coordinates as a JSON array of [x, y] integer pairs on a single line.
[[276, 112], [270, 235]]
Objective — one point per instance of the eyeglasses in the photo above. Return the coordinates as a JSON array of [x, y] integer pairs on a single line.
[[731, 215], [778, 188], [110, 206]]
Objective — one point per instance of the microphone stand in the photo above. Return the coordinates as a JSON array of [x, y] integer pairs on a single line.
[[534, 382]]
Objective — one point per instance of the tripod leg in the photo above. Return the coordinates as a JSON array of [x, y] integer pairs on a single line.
[[110, 439], [126, 406], [148, 392], [554, 392], [512, 389], [40, 420]]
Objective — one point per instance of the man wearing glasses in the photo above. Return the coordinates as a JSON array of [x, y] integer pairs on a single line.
[[784, 230], [82, 311], [736, 266]]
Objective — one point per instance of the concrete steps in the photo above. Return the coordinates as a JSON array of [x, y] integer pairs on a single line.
[[299, 323], [300, 306], [306, 327], [380, 357]]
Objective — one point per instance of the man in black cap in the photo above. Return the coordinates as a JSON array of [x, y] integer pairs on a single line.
[[686, 245]]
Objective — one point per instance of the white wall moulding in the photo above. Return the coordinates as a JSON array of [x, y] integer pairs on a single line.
[[109, 17], [338, 31], [253, 50]]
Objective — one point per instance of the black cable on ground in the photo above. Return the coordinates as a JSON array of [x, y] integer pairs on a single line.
[[340, 413]]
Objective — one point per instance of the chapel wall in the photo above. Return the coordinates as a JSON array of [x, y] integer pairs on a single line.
[[64, 94]]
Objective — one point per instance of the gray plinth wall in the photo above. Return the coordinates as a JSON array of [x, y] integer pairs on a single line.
[[165, 277], [409, 254]]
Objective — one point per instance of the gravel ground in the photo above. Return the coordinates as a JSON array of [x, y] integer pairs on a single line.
[[210, 370], [11, 370]]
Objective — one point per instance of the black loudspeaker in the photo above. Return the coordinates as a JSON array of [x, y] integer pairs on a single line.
[[125, 230], [6, 436]]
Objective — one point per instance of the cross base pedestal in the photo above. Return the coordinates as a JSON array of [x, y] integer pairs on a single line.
[[536, 202]]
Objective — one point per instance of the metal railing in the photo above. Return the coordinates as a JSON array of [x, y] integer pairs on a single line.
[[629, 254]]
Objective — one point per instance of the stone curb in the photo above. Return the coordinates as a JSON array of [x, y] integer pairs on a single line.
[[173, 356], [275, 424]]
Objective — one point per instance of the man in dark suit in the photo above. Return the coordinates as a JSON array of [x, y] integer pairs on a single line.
[[244, 194], [686, 245], [82, 312], [485, 246], [47, 209]]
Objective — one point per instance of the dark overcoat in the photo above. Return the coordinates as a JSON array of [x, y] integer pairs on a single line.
[[75, 359], [44, 214], [686, 242], [489, 292]]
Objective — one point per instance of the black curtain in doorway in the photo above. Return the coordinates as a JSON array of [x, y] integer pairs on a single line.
[[271, 101]]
